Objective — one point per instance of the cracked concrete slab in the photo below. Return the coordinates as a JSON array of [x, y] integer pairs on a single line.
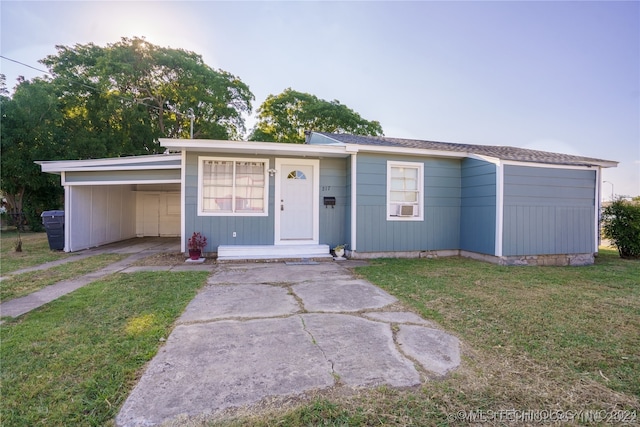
[[338, 296], [435, 350], [237, 301], [398, 317], [280, 273], [362, 351], [245, 338], [205, 368]]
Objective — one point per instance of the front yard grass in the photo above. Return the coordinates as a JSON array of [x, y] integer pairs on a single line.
[[533, 338], [22, 284], [35, 251], [73, 361]]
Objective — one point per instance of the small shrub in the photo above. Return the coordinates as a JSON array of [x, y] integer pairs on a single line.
[[621, 224]]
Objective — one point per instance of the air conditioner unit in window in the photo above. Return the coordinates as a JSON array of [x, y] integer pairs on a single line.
[[406, 210]]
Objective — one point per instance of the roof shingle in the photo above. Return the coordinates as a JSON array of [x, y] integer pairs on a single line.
[[497, 151]]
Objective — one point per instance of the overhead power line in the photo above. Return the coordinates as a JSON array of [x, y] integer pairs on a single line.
[[77, 81]]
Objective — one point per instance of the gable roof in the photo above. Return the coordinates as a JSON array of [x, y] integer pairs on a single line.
[[496, 151]]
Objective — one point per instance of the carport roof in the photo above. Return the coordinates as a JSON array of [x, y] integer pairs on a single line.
[[153, 161]]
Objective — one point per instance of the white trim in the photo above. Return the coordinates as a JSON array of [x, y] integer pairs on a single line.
[[201, 212], [549, 165], [252, 147], [499, 208], [127, 182], [354, 205], [104, 164], [67, 219], [183, 222], [421, 189], [315, 163], [488, 159], [598, 208], [407, 151]]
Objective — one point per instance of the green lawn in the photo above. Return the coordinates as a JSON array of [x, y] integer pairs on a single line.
[[35, 251], [552, 338], [73, 361], [19, 285]]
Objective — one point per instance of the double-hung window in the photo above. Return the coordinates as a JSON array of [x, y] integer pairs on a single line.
[[233, 187], [405, 191]]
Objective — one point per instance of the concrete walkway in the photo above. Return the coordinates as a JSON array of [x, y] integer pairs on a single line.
[[136, 248], [269, 331]]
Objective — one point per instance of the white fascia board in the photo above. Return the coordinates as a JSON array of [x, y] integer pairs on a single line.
[[496, 161], [559, 166], [252, 147], [114, 163], [357, 148]]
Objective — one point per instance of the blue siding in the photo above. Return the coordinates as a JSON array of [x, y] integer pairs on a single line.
[[333, 183], [441, 226], [219, 229], [260, 230], [548, 211], [478, 210]]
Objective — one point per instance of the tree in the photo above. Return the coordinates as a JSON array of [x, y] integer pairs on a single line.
[[125, 96], [621, 224], [285, 118], [31, 130]]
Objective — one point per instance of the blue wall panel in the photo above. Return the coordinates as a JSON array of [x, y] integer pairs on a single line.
[[548, 211], [219, 229], [260, 230], [478, 207], [333, 183], [441, 226]]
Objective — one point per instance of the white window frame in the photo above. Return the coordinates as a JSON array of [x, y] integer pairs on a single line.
[[202, 212], [392, 207]]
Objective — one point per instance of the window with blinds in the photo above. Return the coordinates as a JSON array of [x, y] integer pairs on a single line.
[[233, 186]]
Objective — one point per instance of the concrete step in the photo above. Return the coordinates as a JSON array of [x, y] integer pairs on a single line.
[[239, 252]]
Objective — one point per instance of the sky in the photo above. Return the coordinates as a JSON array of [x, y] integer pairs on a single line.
[[554, 76]]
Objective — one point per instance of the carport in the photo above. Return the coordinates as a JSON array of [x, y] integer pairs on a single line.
[[108, 200]]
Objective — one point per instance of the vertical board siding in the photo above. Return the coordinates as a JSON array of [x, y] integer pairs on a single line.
[[441, 226], [333, 183], [101, 215], [548, 211], [478, 206]]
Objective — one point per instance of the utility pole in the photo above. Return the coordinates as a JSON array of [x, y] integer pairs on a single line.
[[191, 116]]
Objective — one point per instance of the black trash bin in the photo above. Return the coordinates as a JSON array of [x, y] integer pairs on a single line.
[[54, 224]]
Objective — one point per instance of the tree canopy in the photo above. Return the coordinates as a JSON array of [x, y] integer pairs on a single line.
[[31, 130], [132, 92], [109, 101], [285, 118]]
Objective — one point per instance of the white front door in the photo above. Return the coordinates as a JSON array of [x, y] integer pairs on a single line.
[[296, 219]]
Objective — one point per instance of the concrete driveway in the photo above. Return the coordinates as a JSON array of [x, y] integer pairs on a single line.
[[259, 331]]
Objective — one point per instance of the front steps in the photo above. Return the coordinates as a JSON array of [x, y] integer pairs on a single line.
[[272, 252]]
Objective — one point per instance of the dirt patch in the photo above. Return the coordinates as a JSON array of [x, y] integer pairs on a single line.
[[168, 259]]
